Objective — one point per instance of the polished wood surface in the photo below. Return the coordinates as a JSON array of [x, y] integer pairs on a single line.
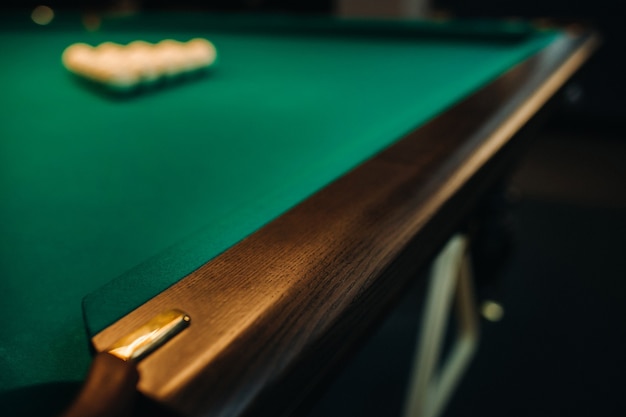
[[271, 315], [109, 390]]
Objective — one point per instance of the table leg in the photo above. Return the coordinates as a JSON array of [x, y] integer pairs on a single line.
[[450, 286]]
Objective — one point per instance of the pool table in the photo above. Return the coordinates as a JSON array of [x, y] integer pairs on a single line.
[[283, 199]]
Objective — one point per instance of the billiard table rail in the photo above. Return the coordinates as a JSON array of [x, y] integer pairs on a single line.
[[275, 313]]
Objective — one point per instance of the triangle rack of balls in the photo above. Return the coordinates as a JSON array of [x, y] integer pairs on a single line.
[[126, 67]]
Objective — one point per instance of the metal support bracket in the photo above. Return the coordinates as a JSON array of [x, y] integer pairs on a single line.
[[450, 279]]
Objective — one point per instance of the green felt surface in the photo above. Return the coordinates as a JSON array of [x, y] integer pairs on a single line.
[[118, 198]]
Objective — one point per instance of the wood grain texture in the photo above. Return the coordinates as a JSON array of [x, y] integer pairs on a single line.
[[273, 313]]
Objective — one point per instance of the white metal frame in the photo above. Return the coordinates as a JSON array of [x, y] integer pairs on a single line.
[[450, 280]]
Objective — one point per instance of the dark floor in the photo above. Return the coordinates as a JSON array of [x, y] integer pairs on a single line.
[[560, 349]]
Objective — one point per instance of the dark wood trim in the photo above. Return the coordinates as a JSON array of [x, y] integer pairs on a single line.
[[272, 313]]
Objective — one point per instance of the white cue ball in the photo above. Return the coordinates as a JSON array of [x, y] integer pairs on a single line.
[[123, 80], [169, 58], [113, 69], [78, 57], [109, 47], [139, 55], [105, 61], [124, 67], [201, 52]]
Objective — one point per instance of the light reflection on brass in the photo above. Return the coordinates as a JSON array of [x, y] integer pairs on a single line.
[[136, 345]]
